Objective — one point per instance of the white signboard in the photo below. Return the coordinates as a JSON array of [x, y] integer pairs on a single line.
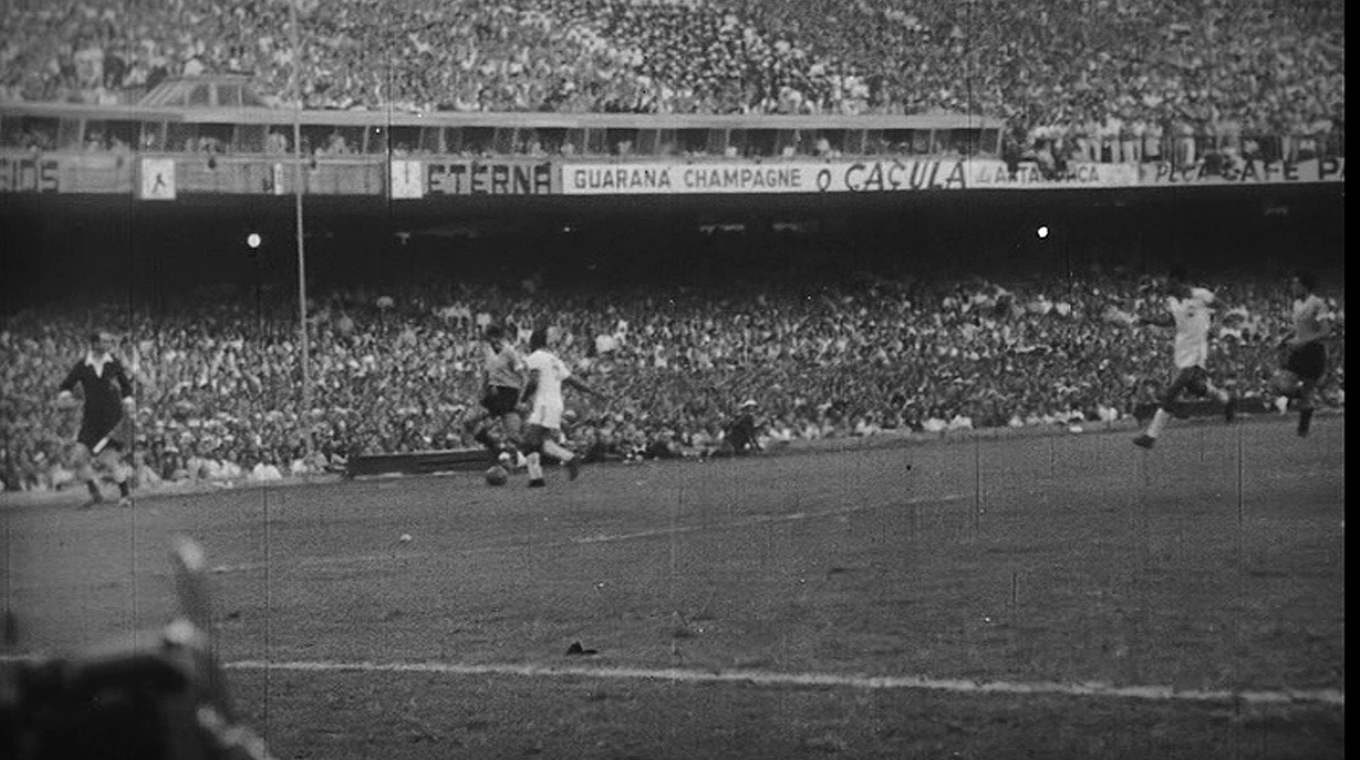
[[158, 179], [405, 179], [1247, 172], [869, 175], [654, 178], [991, 174]]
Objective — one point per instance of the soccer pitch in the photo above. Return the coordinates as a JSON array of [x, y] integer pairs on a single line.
[[1017, 596]]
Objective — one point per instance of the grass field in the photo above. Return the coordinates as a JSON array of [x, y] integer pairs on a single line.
[[1042, 596]]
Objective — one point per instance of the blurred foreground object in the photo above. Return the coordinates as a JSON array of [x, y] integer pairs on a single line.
[[158, 695]]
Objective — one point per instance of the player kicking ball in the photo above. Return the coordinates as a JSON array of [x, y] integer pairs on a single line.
[[501, 383], [1306, 357], [1190, 311], [543, 393]]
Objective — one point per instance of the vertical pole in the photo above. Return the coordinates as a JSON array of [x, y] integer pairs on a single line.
[[306, 402], [977, 474]]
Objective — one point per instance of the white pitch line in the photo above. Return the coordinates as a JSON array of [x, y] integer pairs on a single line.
[[362, 559], [351, 559], [1331, 697]]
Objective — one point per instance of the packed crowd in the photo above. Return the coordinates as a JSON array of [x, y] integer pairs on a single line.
[[1100, 68], [218, 383]]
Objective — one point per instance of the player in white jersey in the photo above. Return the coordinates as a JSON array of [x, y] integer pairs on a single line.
[[543, 392], [1190, 311], [1306, 359]]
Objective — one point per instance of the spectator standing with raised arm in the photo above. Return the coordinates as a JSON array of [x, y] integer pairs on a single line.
[[105, 424]]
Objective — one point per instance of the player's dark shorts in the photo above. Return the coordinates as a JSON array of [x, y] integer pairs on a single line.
[[93, 432], [1307, 361], [500, 400], [534, 436], [1193, 380]]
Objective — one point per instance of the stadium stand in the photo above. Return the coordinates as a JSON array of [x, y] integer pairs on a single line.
[[392, 370], [1099, 73]]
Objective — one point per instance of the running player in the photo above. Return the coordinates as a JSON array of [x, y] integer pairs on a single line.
[[106, 419], [543, 392], [501, 382], [1306, 359], [1190, 310]]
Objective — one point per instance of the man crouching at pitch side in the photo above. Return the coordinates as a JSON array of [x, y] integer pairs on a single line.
[[105, 425], [543, 393]]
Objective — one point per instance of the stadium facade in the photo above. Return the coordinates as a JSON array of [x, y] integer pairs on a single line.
[[182, 177]]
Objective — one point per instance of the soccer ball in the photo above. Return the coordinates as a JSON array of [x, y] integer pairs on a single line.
[[497, 476]]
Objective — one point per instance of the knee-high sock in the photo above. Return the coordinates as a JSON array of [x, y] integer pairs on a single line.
[[535, 466], [558, 451], [1159, 421], [1305, 395]]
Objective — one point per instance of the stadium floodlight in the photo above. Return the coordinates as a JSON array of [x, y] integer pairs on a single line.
[[1042, 232], [253, 240]]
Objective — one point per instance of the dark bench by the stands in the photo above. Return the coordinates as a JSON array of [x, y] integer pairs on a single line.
[[418, 462]]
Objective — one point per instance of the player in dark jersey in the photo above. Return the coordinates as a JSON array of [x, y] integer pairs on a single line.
[[742, 434], [1305, 358], [501, 384], [106, 420]]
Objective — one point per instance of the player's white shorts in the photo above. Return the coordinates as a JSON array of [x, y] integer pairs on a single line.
[[546, 414]]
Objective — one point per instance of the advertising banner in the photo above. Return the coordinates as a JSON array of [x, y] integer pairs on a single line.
[[992, 174], [488, 177], [676, 178], [908, 174], [658, 178], [28, 173], [1246, 172]]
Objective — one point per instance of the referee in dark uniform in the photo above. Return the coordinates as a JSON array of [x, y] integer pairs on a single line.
[[105, 423]]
